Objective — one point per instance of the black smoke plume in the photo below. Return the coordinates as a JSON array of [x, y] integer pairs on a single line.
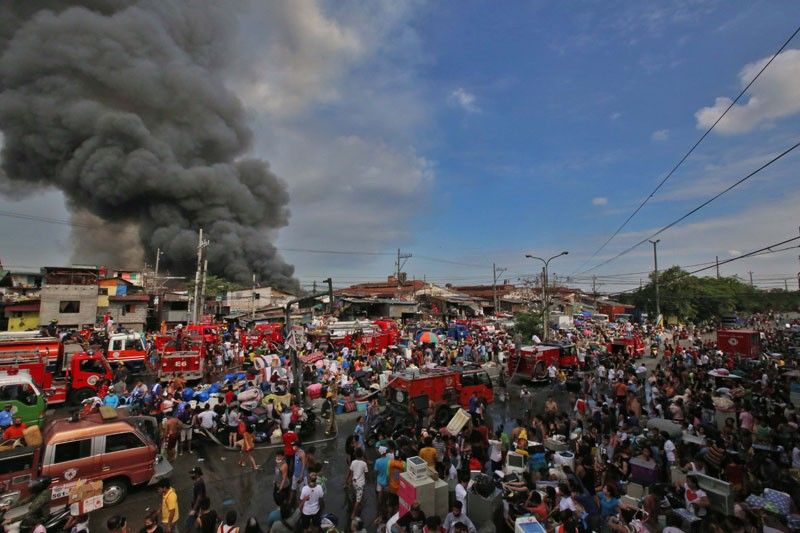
[[123, 107]]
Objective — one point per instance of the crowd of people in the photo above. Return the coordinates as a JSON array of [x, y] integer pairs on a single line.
[[643, 435]]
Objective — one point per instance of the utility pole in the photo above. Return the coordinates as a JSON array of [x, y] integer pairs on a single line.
[[751, 278], [655, 279], [717, 259], [253, 300], [329, 281], [786, 285], [201, 244], [314, 287], [545, 306], [203, 290], [155, 274], [399, 266], [494, 284]]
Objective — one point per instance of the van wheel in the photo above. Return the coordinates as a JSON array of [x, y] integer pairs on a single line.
[[78, 396], [114, 491], [539, 370]]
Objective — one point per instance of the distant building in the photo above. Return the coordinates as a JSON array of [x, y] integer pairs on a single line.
[[242, 301], [69, 296], [391, 288], [20, 284], [173, 308]]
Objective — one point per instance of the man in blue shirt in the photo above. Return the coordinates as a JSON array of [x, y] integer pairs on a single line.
[[6, 417], [381, 467]]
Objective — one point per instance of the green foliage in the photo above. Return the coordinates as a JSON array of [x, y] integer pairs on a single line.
[[697, 299], [216, 286], [528, 324]]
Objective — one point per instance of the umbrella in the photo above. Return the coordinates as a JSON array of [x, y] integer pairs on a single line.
[[428, 337], [312, 358]]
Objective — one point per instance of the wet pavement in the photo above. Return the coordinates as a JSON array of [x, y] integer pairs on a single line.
[[249, 493]]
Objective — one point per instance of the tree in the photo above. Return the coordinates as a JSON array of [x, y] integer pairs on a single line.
[[216, 286], [528, 324], [697, 299]]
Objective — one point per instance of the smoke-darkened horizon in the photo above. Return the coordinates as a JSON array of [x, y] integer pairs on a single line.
[[123, 107]]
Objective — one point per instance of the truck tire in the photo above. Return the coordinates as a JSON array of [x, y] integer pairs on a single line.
[[539, 370], [114, 491], [77, 396]]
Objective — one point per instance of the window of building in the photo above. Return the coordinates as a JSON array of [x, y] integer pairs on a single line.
[[69, 306], [122, 441], [70, 451], [103, 291], [128, 308]]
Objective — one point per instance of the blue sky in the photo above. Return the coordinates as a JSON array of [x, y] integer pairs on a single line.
[[479, 131]]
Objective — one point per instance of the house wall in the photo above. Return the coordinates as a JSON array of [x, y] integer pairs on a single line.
[[23, 321], [53, 295], [131, 320]]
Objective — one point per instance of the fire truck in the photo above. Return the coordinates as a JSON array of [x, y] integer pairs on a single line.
[[446, 388], [532, 361], [631, 346], [209, 332], [127, 348], [187, 362], [63, 372], [744, 342], [270, 332]]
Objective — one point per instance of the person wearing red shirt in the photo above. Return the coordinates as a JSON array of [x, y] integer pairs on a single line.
[[15, 430], [289, 437], [230, 396]]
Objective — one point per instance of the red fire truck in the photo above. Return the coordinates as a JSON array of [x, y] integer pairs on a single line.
[[127, 348], [446, 388], [271, 332], [744, 342], [209, 332], [187, 362], [64, 374], [532, 361], [632, 346]]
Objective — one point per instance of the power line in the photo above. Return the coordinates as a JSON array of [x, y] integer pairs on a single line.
[[731, 260], [696, 209], [692, 149]]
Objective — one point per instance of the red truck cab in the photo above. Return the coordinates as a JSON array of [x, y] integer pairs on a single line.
[[209, 332], [444, 387], [63, 372], [271, 332], [743, 342], [630, 346], [127, 348], [532, 361]]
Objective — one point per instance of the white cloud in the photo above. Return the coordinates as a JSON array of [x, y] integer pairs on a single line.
[[734, 253], [337, 107], [660, 135], [775, 95], [464, 99], [615, 115], [600, 200]]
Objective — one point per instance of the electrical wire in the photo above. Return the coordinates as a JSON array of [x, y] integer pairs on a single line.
[[692, 149], [698, 208]]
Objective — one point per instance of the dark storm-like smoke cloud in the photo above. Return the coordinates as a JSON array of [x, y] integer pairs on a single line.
[[122, 107]]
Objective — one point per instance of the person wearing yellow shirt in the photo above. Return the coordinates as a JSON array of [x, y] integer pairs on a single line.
[[169, 506], [428, 453]]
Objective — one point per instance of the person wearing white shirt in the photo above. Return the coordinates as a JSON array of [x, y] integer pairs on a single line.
[[357, 477], [310, 500]]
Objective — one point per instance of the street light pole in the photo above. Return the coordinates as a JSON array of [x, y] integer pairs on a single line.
[[655, 279], [545, 303]]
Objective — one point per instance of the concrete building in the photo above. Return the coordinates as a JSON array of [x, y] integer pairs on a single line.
[[173, 308], [69, 296], [129, 311], [238, 302]]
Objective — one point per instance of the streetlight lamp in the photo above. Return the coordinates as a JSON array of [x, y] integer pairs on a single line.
[[545, 303]]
